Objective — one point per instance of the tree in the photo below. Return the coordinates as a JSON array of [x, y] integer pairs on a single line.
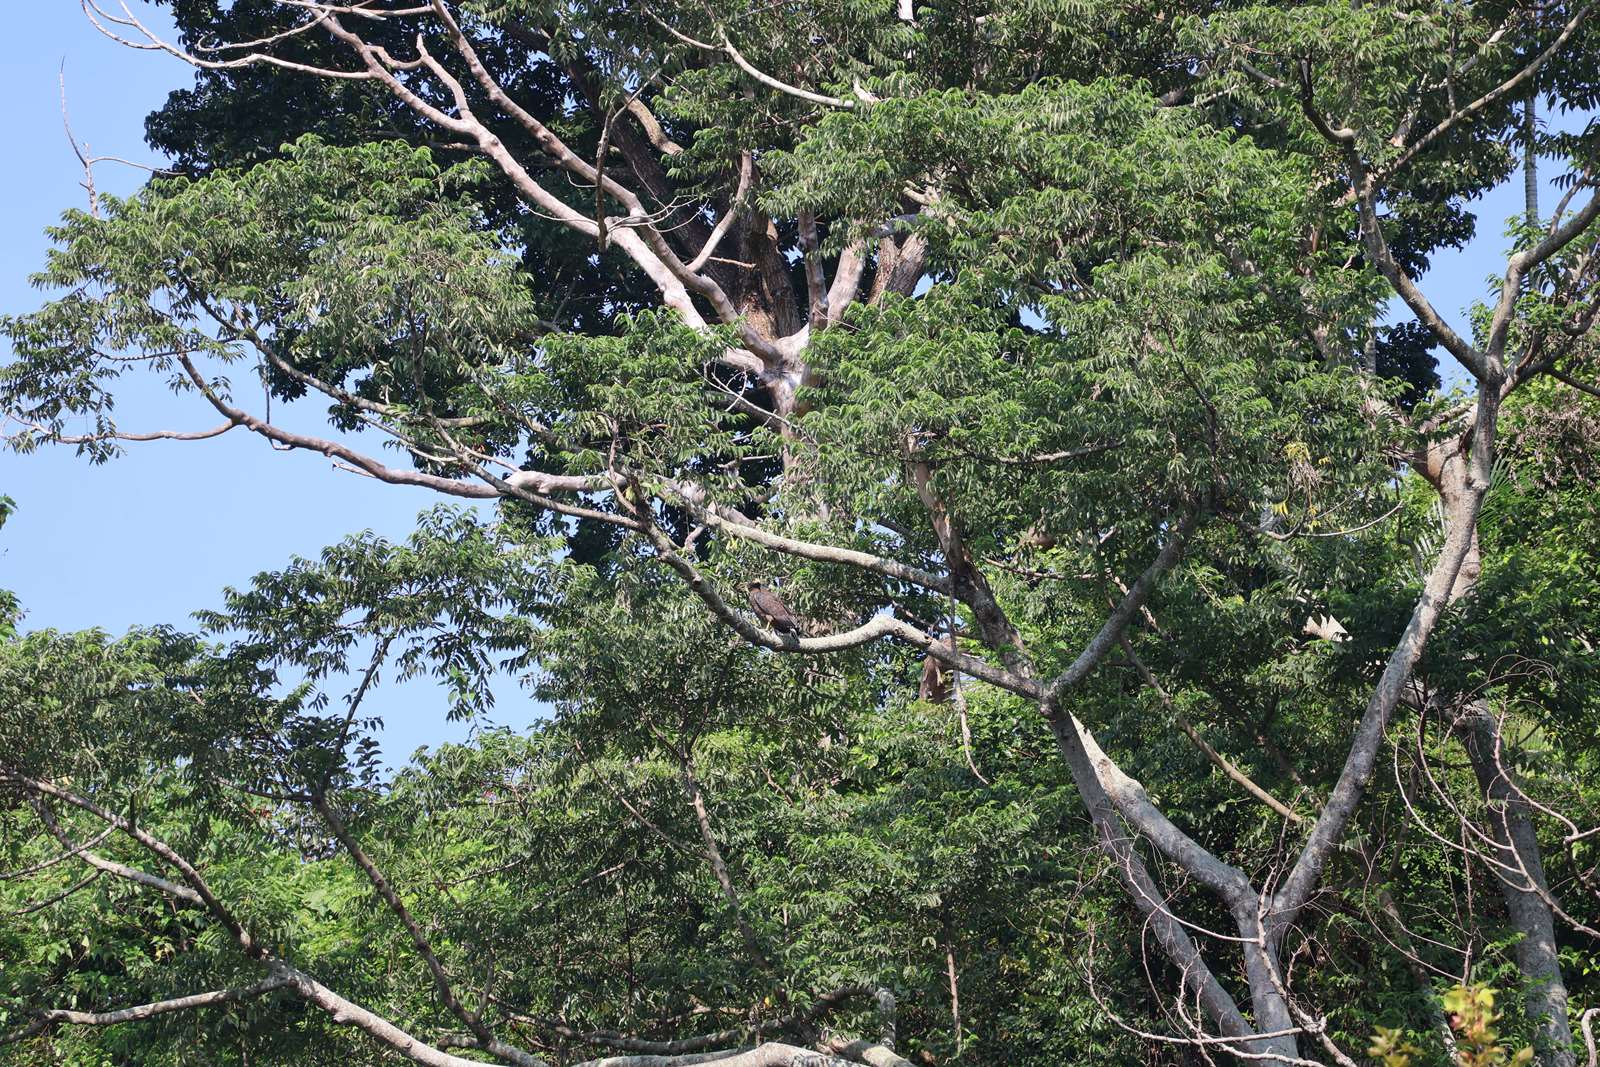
[[1043, 342]]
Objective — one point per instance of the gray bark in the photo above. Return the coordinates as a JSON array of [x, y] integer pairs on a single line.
[[769, 1055], [1474, 462], [1511, 823], [1522, 889], [1179, 947]]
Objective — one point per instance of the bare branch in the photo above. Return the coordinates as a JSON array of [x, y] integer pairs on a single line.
[[118, 435], [727, 47], [100, 18], [747, 169], [644, 244], [441, 981], [1499, 92], [54, 898], [530, 481], [1519, 265], [875, 628], [1196, 976], [1244, 781], [783, 87], [875, 1054], [769, 1055], [818, 1009], [48, 1020], [112, 867], [343, 1012]]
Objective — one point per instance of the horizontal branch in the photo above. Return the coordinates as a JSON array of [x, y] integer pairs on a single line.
[[538, 488], [47, 1020], [345, 1012], [868, 1052], [693, 499], [772, 1054], [620, 1042], [879, 626], [118, 435]]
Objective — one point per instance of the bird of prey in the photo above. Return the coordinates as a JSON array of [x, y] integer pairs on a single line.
[[771, 609]]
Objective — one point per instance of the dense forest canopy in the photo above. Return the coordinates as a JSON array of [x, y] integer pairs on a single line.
[[1009, 590]]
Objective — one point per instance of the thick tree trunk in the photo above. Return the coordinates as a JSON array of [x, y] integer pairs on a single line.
[[1263, 968], [1522, 887], [1511, 826], [1117, 844], [1197, 980]]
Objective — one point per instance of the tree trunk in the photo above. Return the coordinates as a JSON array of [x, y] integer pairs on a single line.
[[1511, 826], [1511, 822], [1530, 160]]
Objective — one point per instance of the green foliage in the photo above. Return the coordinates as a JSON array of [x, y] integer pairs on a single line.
[[334, 260], [1139, 299], [1473, 1017]]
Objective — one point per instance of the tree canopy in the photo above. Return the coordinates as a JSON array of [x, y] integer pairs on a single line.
[[1192, 660]]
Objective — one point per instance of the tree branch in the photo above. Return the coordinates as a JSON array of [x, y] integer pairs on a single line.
[[1579, 386], [112, 867], [48, 1020], [719, 866], [1222, 763], [1357, 771], [485, 1037], [343, 1012], [1378, 248], [768, 1055], [1117, 622], [1499, 92]]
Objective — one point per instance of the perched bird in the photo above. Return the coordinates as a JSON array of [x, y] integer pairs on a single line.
[[770, 608]]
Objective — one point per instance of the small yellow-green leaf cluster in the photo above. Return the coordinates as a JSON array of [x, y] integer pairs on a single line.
[[1390, 1048], [1473, 1018]]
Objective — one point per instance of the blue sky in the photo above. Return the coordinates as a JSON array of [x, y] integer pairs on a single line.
[[157, 534]]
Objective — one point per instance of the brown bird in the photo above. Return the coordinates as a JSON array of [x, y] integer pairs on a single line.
[[770, 608]]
